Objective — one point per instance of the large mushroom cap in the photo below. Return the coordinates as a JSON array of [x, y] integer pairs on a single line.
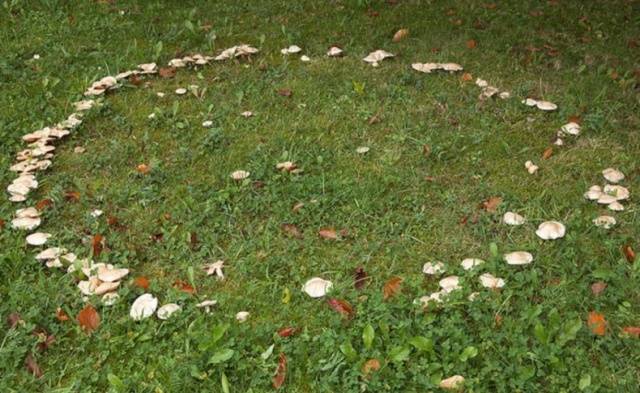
[[450, 283], [38, 238], [317, 287], [165, 311], [433, 268], [143, 307], [550, 230], [613, 175], [518, 258], [594, 193], [511, 218], [110, 275], [618, 192], [377, 56], [470, 263], [488, 280]]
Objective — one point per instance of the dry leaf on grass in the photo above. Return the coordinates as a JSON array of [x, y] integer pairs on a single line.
[[89, 319], [491, 204], [598, 287], [632, 330], [629, 253], [597, 323], [281, 371], [287, 331], [369, 366], [471, 44], [97, 245], [167, 72], [400, 35], [547, 153], [32, 366], [291, 230], [328, 233], [141, 282], [391, 287], [341, 306], [361, 278]]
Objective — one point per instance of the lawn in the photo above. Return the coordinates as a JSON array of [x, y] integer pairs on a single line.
[[442, 168]]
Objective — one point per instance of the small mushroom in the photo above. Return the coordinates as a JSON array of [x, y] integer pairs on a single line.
[[433, 268], [571, 128], [305, 58], [143, 307], [240, 175], [215, 268], [550, 230], [334, 51], [207, 123], [377, 56], [167, 310], [594, 193], [518, 258], [452, 383], [291, 49], [470, 263], [242, 316], [207, 305], [246, 114], [546, 106], [362, 150], [531, 167], [616, 206], [317, 287], [181, 91], [110, 298], [38, 238], [619, 192], [436, 297], [488, 280], [613, 175], [511, 218], [605, 222], [450, 283]]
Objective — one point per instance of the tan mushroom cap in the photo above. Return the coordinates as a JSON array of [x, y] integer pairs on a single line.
[[616, 206], [551, 230], [546, 106], [619, 192], [291, 49], [105, 287], [470, 263], [606, 199], [240, 175], [511, 218], [450, 283], [518, 258], [143, 307], [531, 167], [334, 51], [488, 280], [433, 268], [571, 128], [38, 238], [167, 310], [110, 275], [593, 193], [613, 175], [605, 222], [377, 56], [317, 287], [452, 383], [242, 316]]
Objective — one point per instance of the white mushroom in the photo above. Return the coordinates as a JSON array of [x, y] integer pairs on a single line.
[[433, 268], [619, 192], [291, 49], [207, 305], [530, 102], [38, 238], [450, 283], [593, 193], [240, 175], [246, 114], [305, 58], [143, 307], [452, 383], [26, 223], [488, 280], [605, 222], [242, 316], [606, 199], [436, 297], [106, 287], [613, 175], [511, 218], [111, 275], [362, 149], [334, 51], [550, 230], [616, 206], [207, 123], [181, 91], [546, 106], [518, 258], [317, 287], [571, 128], [481, 82], [110, 298], [377, 56], [165, 311], [286, 166], [470, 263], [215, 268], [531, 167]]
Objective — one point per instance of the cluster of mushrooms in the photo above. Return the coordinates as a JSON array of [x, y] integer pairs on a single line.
[[99, 279]]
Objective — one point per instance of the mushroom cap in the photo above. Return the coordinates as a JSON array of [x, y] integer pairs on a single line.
[[616, 206], [334, 51], [481, 82], [143, 307], [613, 175], [433, 268], [242, 316], [470, 263], [451, 67], [450, 283], [377, 56], [317, 287], [106, 287], [593, 193], [436, 297], [110, 298], [550, 230], [50, 253], [291, 49], [605, 222], [488, 280], [452, 383], [518, 258], [26, 223], [546, 106], [531, 167], [240, 175], [111, 275], [207, 303], [619, 192], [362, 149], [38, 238], [165, 311], [181, 90], [571, 128], [511, 218], [530, 102], [606, 199]]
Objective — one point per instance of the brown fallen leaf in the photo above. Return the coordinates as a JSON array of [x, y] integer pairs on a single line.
[[143, 169], [632, 330], [471, 44], [281, 371], [32, 366], [72, 196], [291, 230], [426, 150], [89, 319], [193, 241], [61, 315], [287, 331], [285, 92], [629, 253], [328, 233], [361, 278], [375, 119], [369, 366], [167, 72], [45, 203], [491, 204], [400, 35], [2, 223], [184, 286], [13, 320], [342, 307], [391, 287], [141, 282], [597, 323], [598, 287], [574, 119], [135, 80], [97, 244], [45, 340], [547, 153], [466, 77]]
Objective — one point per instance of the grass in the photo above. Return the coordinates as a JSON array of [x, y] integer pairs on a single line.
[[401, 209]]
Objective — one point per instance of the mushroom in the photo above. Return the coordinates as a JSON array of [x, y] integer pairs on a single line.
[[530, 102], [167, 310], [606, 199], [436, 297], [110, 274], [362, 150], [246, 114], [207, 123], [488, 280], [110, 298], [207, 305], [481, 82], [26, 223], [291, 49], [143, 307], [470, 263], [605, 222], [305, 58], [452, 383], [619, 192], [50, 253], [334, 51], [550, 230], [571, 128], [546, 106], [449, 283], [38, 238], [433, 268], [106, 287], [511, 218], [242, 316], [377, 56], [286, 166], [240, 175], [317, 287], [518, 258], [593, 193], [181, 91], [613, 175], [616, 206], [215, 268], [531, 167]]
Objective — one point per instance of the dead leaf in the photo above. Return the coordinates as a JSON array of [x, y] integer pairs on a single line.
[[471, 44], [629, 253], [597, 323], [547, 153], [184, 286], [72, 196], [328, 233], [135, 80], [61, 315], [426, 150], [281, 371], [574, 119], [13, 319], [292, 230], [89, 319], [32, 366], [341, 306], [285, 92], [45, 340], [97, 244], [370, 366], [391, 287], [361, 278], [2, 223], [45, 203], [193, 241], [632, 330], [466, 77], [374, 119], [167, 72], [598, 287], [491, 204], [143, 169], [400, 35], [287, 331], [141, 282]]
